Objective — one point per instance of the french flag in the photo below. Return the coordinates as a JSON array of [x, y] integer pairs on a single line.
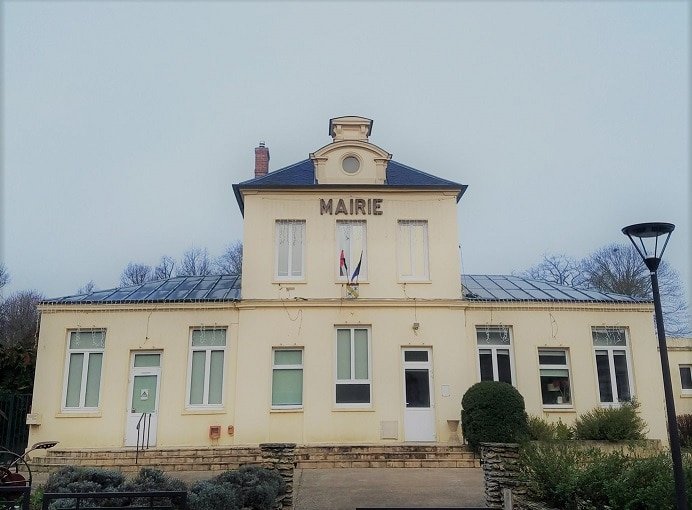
[[343, 269]]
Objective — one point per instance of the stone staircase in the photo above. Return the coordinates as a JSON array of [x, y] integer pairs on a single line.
[[223, 458], [385, 456]]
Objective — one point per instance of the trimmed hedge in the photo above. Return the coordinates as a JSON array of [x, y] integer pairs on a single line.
[[493, 412]]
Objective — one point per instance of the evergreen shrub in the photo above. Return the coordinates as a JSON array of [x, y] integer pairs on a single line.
[[84, 479], [540, 430], [565, 475], [493, 412], [685, 430], [248, 487], [611, 424]]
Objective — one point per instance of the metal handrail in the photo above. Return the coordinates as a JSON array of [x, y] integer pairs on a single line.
[[143, 433]]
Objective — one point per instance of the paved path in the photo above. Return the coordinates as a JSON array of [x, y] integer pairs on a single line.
[[350, 488]]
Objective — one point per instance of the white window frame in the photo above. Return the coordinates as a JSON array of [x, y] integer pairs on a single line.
[[352, 380], [548, 350], [404, 252], [288, 367], [291, 235], [493, 351], [207, 370], [363, 275], [85, 371], [611, 349], [681, 367]]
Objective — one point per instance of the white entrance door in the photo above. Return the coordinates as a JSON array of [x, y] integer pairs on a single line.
[[143, 403], [419, 413]]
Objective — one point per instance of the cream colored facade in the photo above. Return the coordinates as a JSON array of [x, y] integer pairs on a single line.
[[305, 312], [680, 359]]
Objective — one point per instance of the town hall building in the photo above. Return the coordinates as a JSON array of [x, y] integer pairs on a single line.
[[350, 324]]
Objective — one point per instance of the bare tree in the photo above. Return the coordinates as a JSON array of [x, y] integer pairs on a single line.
[[618, 268], [4, 276], [195, 262], [231, 261], [136, 274], [87, 288], [19, 319], [165, 268], [556, 268]]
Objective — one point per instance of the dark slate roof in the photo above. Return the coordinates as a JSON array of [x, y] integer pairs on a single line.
[[187, 289], [516, 288], [302, 175], [181, 289]]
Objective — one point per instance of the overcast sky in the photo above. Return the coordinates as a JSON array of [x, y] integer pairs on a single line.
[[126, 123]]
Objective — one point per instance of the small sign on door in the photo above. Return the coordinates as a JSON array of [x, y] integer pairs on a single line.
[[144, 394]]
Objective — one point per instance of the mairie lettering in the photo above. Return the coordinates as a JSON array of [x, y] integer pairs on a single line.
[[351, 206]]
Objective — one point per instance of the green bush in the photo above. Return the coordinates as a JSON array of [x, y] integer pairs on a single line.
[[249, 487], [493, 412], [84, 479], [611, 424], [550, 472], [540, 430], [685, 430], [148, 480], [207, 495], [563, 475]]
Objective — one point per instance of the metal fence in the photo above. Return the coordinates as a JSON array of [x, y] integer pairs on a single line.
[[13, 498], [159, 500], [14, 432]]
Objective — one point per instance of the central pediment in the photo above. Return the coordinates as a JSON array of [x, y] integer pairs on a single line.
[[350, 158]]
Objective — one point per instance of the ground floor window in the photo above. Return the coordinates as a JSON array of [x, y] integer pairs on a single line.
[[612, 364], [555, 377], [82, 387], [207, 354], [353, 383], [495, 354], [287, 378], [686, 379]]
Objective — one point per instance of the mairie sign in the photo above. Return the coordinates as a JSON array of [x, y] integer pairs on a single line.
[[351, 206]]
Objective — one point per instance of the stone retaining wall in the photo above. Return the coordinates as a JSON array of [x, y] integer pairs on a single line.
[[282, 458], [500, 463]]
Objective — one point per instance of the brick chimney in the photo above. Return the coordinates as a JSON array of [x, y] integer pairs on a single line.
[[261, 160]]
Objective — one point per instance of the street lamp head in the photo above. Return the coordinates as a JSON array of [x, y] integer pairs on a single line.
[[647, 234]]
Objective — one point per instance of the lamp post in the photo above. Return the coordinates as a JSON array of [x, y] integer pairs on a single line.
[[647, 234]]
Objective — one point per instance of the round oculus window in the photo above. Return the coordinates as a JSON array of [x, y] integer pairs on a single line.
[[350, 164]]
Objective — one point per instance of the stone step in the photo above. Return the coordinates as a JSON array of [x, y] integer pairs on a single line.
[[419, 463]]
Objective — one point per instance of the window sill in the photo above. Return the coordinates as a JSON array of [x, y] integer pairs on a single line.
[[299, 281], [206, 410], [78, 414], [406, 282], [283, 410], [550, 409], [686, 395], [353, 409]]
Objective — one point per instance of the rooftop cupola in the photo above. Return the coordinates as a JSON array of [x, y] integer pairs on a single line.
[[350, 158], [350, 128]]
